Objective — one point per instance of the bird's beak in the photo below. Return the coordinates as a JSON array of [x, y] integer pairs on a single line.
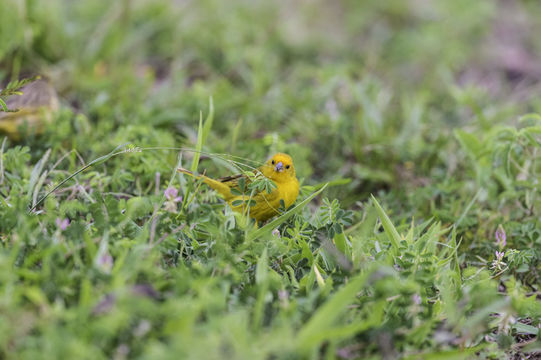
[[279, 167]]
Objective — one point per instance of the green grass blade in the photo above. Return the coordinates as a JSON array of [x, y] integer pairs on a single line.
[[467, 209], [234, 137], [202, 134], [198, 146], [456, 354], [2, 160], [526, 329], [316, 329], [267, 229], [208, 121], [335, 182], [36, 172], [388, 226], [262, 281], [90, 164], [348, 330], [3, 105]]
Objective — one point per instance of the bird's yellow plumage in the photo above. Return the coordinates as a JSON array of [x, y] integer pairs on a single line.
[[279, 169]]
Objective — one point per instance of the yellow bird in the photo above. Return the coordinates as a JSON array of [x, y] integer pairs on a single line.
[[279, 169]]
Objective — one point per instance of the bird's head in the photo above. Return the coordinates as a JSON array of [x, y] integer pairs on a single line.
[[279, 168]]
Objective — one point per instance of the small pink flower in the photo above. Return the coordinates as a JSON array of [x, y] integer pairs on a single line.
[[62, 224], [501, 237], [498, 264], [172, 199], [171, 195], [105, 262]]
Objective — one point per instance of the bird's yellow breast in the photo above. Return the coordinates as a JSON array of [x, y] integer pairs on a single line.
[[288, 191], [268, 205]]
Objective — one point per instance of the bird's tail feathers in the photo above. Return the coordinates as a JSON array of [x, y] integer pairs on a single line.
[[216, 185], [185, 171]]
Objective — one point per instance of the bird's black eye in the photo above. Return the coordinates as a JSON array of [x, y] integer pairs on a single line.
[[273, 162], [287, 166]]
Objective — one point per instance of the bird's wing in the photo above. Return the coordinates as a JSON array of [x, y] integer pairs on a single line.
[[233, 180], [261, 205]]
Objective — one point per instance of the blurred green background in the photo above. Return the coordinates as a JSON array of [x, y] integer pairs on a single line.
[[368, 90], [429, 105]]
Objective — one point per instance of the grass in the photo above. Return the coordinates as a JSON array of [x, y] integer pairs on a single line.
[[415, 131]]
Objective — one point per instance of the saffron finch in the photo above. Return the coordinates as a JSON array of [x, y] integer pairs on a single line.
[[263, 205]]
